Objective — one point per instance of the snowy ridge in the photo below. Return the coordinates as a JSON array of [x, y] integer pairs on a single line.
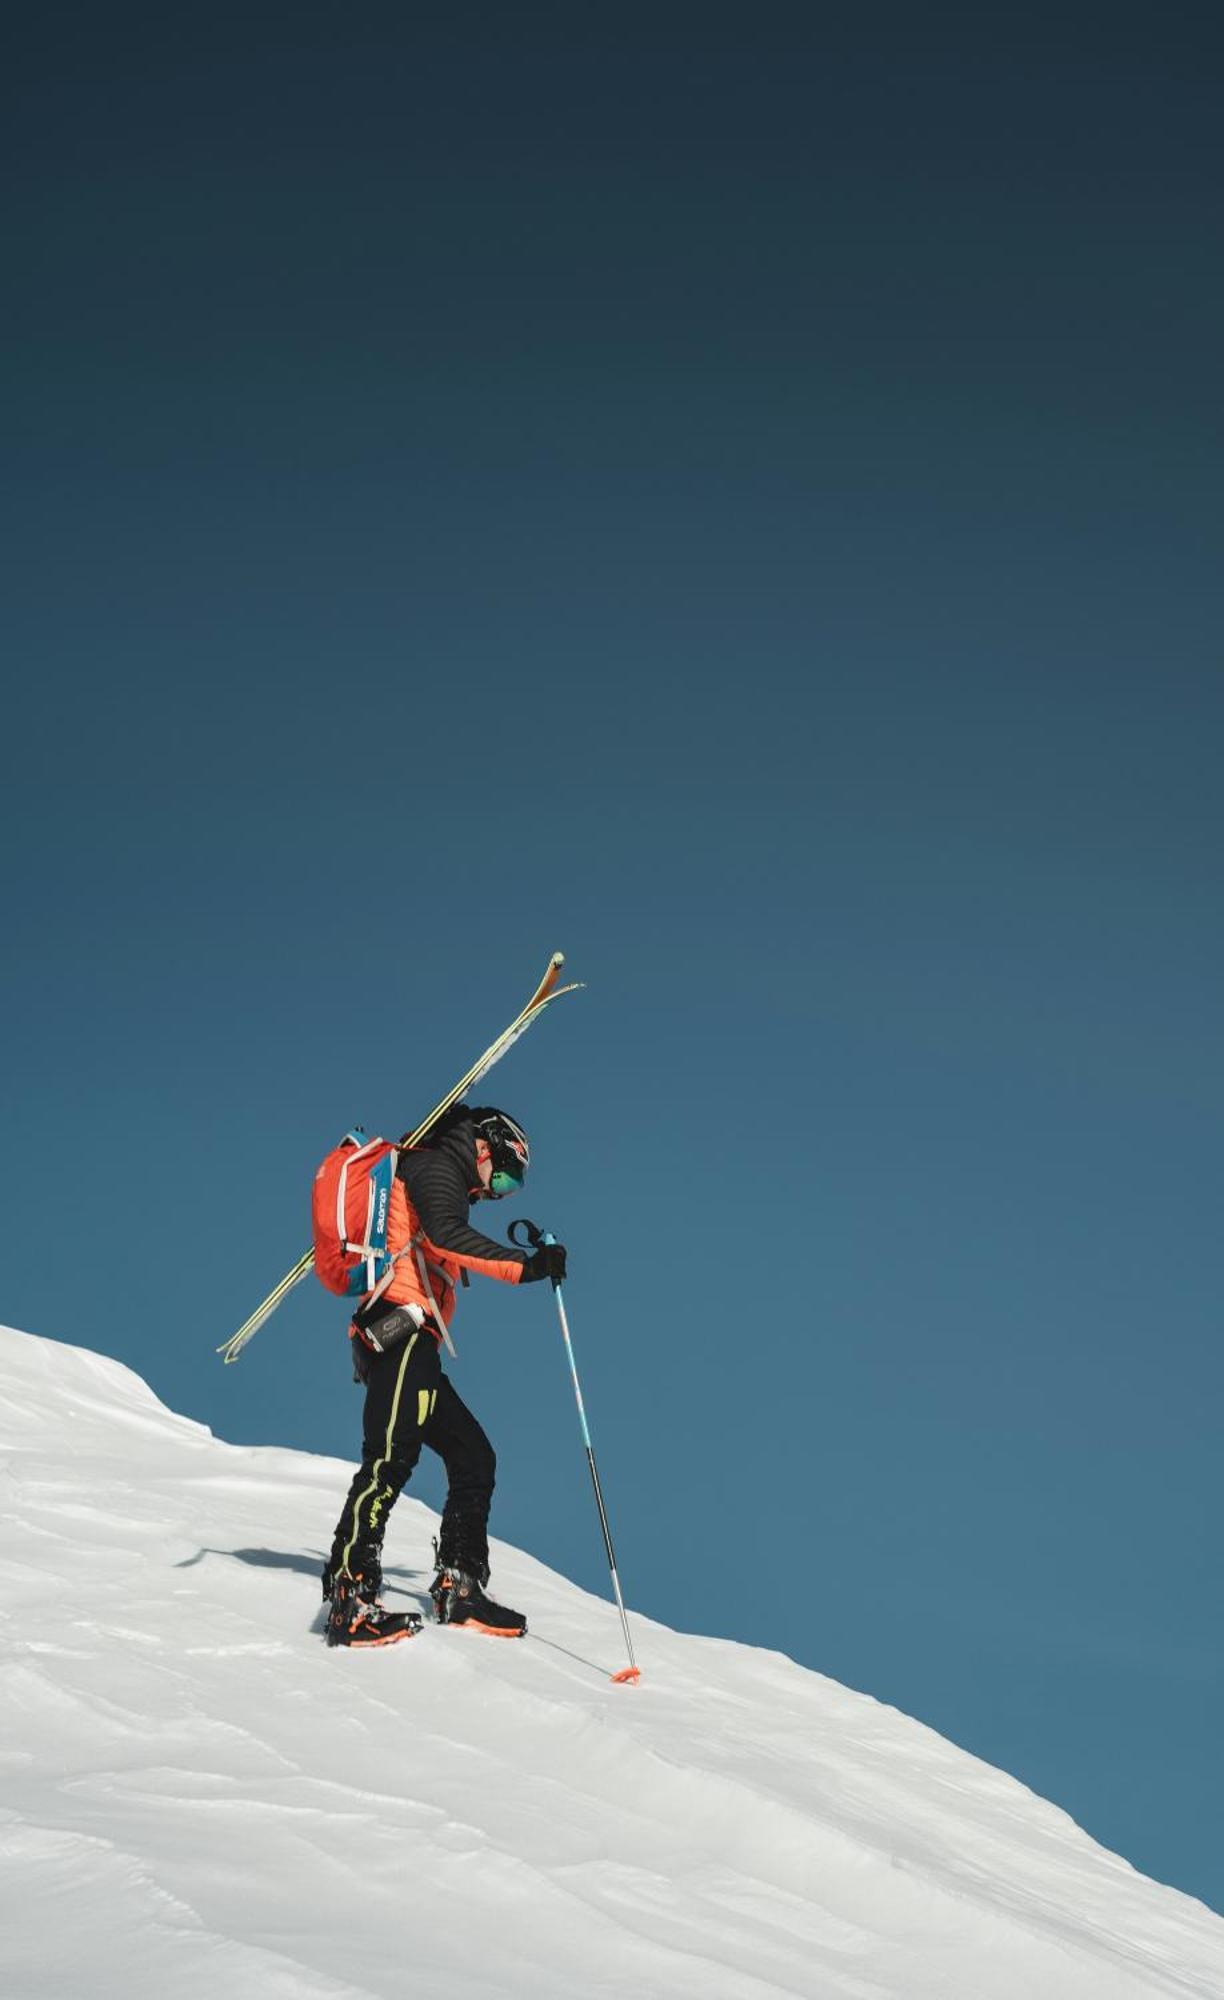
[[198, 1797]]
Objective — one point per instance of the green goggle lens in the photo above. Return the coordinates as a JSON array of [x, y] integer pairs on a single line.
[[503, 1183]]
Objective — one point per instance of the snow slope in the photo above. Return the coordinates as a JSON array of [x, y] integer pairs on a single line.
[[198, 1798]]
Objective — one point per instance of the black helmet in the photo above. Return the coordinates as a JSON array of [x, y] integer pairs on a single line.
[[508, 1148]]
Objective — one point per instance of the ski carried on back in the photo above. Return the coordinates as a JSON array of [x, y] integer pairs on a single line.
[[547, 990]]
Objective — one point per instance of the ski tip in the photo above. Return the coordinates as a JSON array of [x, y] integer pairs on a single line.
[[627, 1675]]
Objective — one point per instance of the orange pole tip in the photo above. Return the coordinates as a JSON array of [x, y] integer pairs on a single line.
[[628, 1674]]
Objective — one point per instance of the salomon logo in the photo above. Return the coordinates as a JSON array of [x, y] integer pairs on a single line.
[[381, 1224]]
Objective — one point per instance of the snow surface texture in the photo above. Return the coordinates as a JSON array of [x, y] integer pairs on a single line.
[[200, 1798]]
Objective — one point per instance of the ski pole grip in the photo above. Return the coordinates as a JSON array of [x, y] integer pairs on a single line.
[[534, 1237], [548, 1237]]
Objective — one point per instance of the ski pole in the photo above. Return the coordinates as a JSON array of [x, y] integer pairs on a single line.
[[535, 1237]]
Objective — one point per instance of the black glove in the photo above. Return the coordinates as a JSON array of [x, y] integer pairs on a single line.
[[546, 1262]]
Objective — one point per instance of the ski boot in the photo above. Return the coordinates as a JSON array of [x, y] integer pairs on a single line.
[[368, 1568], [459, 1599], [358, 1618]]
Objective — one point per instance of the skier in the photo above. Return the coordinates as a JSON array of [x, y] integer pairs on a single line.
[[474, 1154]]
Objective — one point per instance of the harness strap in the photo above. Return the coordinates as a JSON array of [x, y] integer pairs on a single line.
[[423, 1274], [413, 1248], [384, 1281]]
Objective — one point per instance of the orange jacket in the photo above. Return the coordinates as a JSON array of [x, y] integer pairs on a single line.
[[427, 1222], [442, 1265]]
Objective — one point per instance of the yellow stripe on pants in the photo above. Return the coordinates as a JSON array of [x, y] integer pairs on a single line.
[[375, 1476]]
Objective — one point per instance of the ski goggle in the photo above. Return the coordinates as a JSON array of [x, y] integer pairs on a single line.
[[502, 1183]]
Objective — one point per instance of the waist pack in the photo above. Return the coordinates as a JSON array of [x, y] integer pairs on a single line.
[[352, 1201]]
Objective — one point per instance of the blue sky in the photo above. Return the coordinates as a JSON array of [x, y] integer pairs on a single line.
[[743, 509]]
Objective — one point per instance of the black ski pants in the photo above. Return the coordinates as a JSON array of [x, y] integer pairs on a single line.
[[409, 1403]]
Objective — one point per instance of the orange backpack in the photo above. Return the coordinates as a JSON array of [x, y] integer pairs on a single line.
[[352, 1200]]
